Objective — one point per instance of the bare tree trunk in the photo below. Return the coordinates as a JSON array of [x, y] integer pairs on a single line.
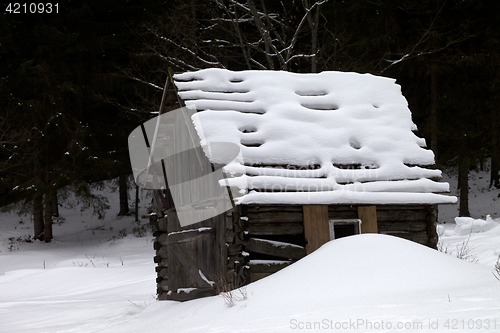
[[38, 222], [434, 112], [55, 205], [47, 235], [313, 25], [463, 178], [495, 159], [123, 191]]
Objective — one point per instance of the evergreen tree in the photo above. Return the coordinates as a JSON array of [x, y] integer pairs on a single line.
[[63, 96]]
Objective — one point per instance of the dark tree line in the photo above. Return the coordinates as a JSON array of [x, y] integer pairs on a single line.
[[444, 54], [74, 84], [61, 99]]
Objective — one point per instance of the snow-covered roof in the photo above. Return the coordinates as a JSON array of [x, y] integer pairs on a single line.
[[326, 138]]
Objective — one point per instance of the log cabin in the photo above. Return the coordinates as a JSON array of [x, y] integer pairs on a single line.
[[321, 156]]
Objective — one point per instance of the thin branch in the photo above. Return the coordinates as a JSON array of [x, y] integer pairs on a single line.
[[299, 27]]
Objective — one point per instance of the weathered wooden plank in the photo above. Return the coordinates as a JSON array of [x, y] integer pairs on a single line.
[[368, 217], [172, 220], [411, 226], [187, 294], [188, 264], [185, 235], [292, 228], [267, 266], [273, 248], [316, 228]]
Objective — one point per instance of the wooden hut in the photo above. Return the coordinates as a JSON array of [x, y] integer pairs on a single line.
[[325, 156]]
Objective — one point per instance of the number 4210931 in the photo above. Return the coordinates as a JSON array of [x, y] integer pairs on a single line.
[[32, 8]]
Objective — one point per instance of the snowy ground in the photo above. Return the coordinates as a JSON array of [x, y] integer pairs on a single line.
[[92, 278]]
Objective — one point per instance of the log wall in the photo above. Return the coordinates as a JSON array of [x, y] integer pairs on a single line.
[[274, 238], [285, 223], [253, 241]]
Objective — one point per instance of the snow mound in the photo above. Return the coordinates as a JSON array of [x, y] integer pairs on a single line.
[[467, 225], [367, 264], [365, 276]]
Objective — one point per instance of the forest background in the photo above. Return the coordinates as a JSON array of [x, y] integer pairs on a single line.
[[75, 82]]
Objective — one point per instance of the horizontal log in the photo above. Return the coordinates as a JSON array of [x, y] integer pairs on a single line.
[[273, 208], [235, 261], [270, 267], [162, 253], [401, 207], [163, 273], [163, 285], [401, 215], [184, 236], [234, 249], [182, 295], [157, 233], [273, 248], [410, 226], [343, 207], [159, 268], [292, 228], [277, 216], [339, 207], [162, 296], [162, 224]]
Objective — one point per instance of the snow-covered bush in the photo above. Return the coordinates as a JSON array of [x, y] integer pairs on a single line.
[[466, 225]]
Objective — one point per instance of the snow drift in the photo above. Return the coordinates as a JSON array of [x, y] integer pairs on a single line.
[[364, 276]]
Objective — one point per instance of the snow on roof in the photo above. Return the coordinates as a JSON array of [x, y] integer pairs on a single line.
[[332, 137]]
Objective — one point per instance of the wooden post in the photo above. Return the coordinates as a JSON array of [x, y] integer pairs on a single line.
[[315, 226], [368, 217]]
